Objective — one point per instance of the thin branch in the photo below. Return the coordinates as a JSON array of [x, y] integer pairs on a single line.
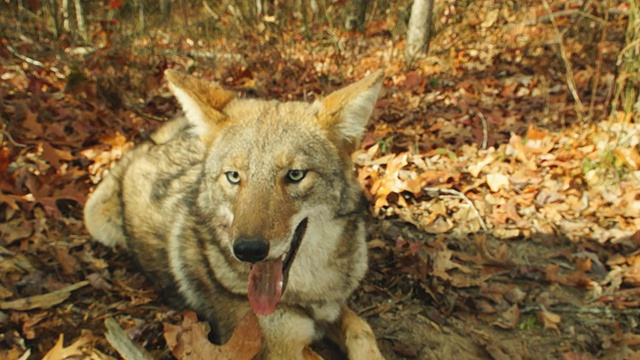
[[553, 16], [627, 47], [567, 63], [485, 132], [150, 116], [43, 301], [463, 197], [37, 63], [583, 310], [572, 12], [119, 340], [208, 9], [7, 134]]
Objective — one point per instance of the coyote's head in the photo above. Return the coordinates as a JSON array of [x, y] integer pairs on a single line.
[[272, 168]]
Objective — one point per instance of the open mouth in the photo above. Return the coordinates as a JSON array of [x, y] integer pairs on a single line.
[[268, 279]]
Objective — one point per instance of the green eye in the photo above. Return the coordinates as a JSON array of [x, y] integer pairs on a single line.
[[295, 175], [233, 177]]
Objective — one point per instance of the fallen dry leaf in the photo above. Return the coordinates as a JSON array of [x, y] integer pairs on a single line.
[[497, 182], [73, 351], [508, 319], [549, 319], [189, 340], [628, 156]]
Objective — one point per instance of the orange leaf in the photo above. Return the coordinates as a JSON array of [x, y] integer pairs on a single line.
[[189, 340], [535, 134], [60, 352]]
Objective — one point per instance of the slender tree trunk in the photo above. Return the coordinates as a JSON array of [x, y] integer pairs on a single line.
[[65, 16], [165, 8], [259, 8], [356, 15], [141, 21], [51, 9], [419, 31], [82, 27]]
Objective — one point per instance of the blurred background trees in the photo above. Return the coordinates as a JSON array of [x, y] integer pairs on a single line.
[[89, 25], [80, 22]]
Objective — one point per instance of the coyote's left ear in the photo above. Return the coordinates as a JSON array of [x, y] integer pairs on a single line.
[[345, 112], [201, 101]]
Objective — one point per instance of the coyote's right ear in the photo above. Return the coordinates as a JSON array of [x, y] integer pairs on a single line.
[[345, 112], [201, 101]]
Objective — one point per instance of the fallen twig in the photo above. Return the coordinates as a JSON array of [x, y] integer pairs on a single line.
[[37, 63], [485, 132], [582, 310], [572, 12], [151, 116], [119, 340], [5, 133], [463, 197], [44, 301], [626, 48]]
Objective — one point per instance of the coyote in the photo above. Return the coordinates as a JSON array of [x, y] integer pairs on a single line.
[[250, 205]]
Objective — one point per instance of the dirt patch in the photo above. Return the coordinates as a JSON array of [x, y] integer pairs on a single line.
[[515, 313]]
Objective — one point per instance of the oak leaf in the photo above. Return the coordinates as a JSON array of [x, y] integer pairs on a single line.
[[189, 340], [549, 319]]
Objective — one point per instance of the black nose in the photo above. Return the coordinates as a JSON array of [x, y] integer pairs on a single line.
[[251, 250]]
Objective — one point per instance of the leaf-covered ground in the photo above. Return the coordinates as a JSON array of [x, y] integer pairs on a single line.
[[504, 191]]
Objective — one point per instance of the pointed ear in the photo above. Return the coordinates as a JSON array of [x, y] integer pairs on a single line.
[[345, 112], [201, 101]]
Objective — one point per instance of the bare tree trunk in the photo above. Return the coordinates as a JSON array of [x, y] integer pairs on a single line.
[[356, 15], [165, 8], [259, 8], [65, 16], [82, 27], [631, 98], [308, 10], [141, 15], [419, 31], [51, 9], [276, 5]]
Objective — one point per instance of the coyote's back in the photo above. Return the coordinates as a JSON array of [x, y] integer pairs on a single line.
[[250, 205]]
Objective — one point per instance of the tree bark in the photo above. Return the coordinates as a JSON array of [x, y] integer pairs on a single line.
[[165, 8], [65, 16], [82, 27], [356, 15], [141, 19], [419, 31]]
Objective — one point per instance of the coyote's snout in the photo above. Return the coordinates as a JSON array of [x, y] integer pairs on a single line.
[[246, 204]]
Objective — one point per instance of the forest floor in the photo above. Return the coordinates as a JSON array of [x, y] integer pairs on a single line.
[[504, 191]]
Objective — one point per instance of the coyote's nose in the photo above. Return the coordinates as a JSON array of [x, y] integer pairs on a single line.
[[251, 250]]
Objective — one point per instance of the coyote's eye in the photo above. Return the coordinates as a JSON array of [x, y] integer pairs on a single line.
[[233, 177], [295, 175]]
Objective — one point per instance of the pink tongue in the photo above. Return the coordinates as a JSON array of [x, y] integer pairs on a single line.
[[265, 286]]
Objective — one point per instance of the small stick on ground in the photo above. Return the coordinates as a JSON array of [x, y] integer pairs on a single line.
[[37, 63], [119, 340], [44, 301], [463, 197], [485, 132]]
